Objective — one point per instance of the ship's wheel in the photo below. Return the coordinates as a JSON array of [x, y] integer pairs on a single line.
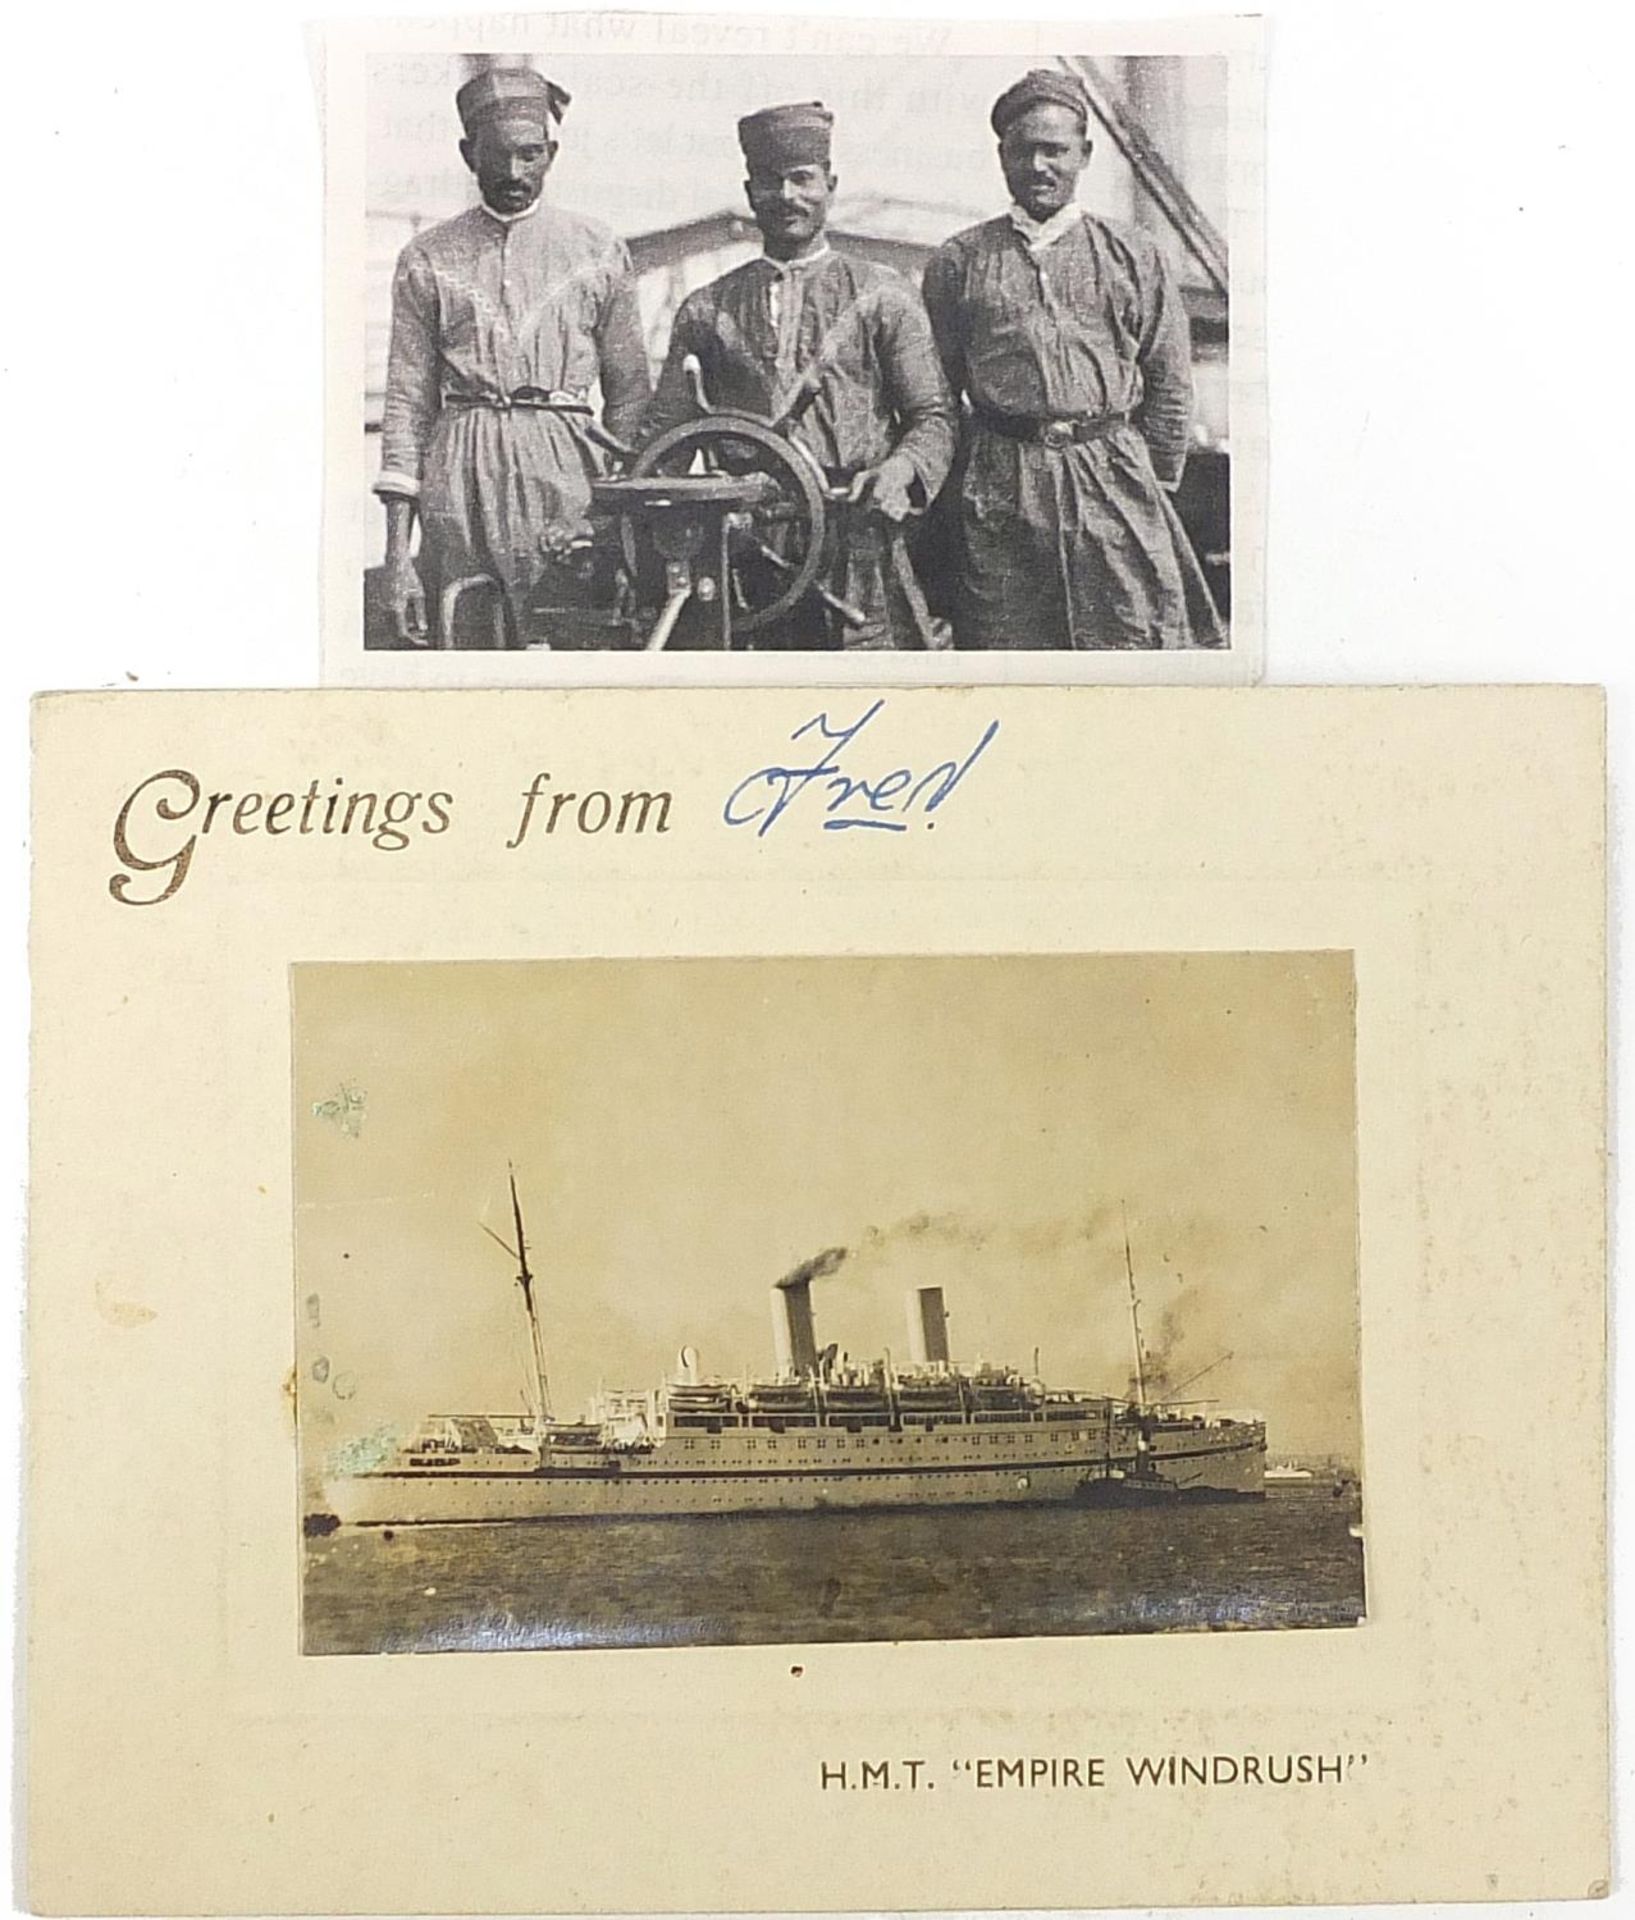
[[779, 544]]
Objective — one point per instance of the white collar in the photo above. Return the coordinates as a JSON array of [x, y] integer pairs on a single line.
[[1039, 234], [510, 219], [786, 267]]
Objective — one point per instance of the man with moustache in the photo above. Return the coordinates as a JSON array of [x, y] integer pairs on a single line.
[[1068, 337], [503, 319], [841, 351]]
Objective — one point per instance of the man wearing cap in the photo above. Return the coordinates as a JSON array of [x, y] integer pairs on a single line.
[[840, 353], [1068, 337], [502, 321]]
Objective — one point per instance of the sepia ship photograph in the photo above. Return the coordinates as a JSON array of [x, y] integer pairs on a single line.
[[734, 1301]]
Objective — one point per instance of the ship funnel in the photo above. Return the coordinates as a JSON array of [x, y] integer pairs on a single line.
[[794, 1337], [687, 1366], [927, 1327]]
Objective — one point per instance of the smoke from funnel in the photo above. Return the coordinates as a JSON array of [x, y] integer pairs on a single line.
[[819, 1267]]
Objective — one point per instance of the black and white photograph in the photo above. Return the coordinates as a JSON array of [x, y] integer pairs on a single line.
[[910, 367], [718, 1302]]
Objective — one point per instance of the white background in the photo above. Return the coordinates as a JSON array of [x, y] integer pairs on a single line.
[[1448, 289]]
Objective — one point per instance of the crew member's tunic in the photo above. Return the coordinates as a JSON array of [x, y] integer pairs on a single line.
[[1075, 545], [487, 311], [848, 344]]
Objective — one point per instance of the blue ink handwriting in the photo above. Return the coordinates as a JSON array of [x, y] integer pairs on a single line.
[[884, 803]]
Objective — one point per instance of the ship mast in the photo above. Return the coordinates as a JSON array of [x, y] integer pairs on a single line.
[[525, 1280], [1135, 1318]]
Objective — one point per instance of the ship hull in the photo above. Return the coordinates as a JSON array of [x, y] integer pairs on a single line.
[[715, 1476]]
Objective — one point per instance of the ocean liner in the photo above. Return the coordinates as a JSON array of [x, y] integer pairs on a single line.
[[820, 1432]]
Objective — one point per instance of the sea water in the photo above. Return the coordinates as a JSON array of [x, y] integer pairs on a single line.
[[1294, 1559]]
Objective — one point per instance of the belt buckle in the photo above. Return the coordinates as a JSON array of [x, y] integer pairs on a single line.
[[1056, 434]]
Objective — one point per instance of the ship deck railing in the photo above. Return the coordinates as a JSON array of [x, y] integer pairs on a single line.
[[844, 1420]]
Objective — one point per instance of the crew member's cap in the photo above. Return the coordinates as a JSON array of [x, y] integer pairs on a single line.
[[792, 136], [1043, 87], [511, 93]]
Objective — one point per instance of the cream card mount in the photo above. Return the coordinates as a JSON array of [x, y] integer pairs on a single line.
[[1171, 1034]]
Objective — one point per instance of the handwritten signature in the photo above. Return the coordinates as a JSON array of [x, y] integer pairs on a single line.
[[886, 802]]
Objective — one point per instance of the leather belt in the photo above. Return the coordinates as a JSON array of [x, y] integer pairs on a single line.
[[537, 398], [1051, 433]]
